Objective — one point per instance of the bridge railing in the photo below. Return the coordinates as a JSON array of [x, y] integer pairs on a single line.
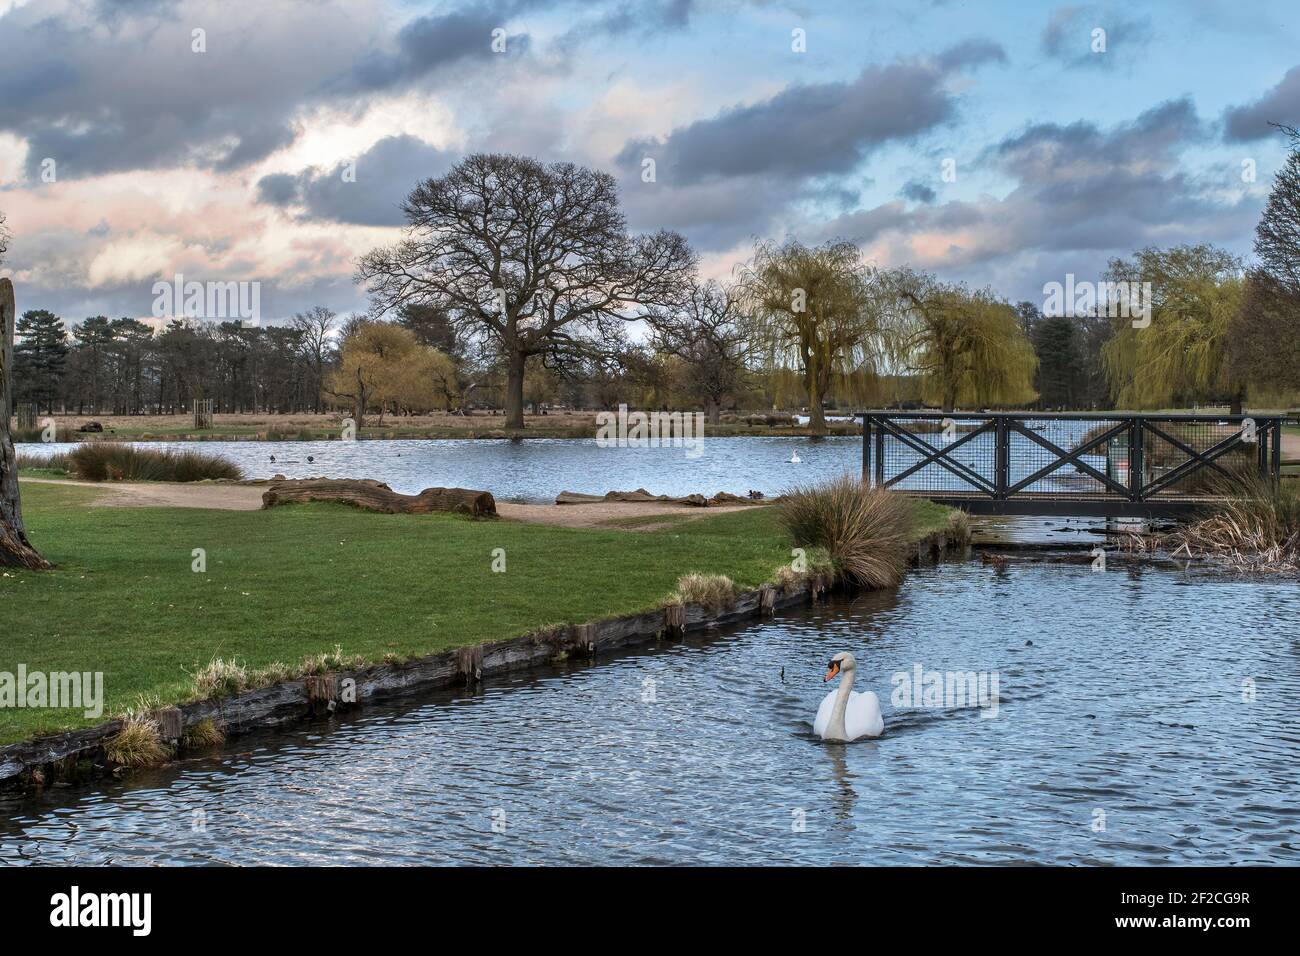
[[1049, 463]]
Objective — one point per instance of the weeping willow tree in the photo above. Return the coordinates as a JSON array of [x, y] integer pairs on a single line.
[[968, 348], [816, 310], [1181, 357]]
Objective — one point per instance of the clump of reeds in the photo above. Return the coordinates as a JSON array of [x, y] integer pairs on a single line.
[[138, 744], [111, 461], [865, 530], [57, 462], [714, 591], [205, 733], [1256, 528]]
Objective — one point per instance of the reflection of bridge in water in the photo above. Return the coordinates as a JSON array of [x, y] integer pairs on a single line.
[[1104, 465]]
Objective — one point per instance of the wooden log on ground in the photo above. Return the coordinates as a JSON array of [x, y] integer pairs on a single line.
[[377, 496], [15, 549]]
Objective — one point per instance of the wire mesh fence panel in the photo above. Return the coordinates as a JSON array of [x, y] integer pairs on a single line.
[[1198, 458], [1059, 456], [938, 454]]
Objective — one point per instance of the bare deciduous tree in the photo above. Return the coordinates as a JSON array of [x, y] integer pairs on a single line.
[[536, 258], [709, 334]]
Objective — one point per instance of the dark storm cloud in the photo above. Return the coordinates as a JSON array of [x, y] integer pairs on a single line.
[[1281, 104], [433, 42], [803, 130], [384, 175], [748, 164], [1067, 37]]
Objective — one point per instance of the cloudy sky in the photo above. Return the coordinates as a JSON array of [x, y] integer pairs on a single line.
[[986, 141]]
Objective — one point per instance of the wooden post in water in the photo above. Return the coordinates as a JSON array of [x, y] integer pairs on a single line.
[[15, 549]]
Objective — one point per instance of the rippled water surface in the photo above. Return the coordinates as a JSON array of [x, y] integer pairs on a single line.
[[1124, 734]]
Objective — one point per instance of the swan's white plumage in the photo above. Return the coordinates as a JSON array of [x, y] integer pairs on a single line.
[[862, 717]]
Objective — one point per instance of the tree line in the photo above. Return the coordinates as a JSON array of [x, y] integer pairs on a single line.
[[518, 283]]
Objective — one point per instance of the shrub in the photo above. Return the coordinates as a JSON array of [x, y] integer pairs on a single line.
[[109, 461], [865, 530], [714, 591]]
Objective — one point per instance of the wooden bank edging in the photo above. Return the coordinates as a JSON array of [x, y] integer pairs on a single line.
[[294, 700]]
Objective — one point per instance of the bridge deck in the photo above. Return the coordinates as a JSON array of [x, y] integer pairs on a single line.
[[1082, 505]]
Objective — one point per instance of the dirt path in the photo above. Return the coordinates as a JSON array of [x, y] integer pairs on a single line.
[[231, 497]]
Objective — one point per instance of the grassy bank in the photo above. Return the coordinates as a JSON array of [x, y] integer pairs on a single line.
[[296, 581]]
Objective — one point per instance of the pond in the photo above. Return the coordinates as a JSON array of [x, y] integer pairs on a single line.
[[1143, 715]]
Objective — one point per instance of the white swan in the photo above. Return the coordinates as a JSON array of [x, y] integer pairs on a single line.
[[844, 715], [795, 459]]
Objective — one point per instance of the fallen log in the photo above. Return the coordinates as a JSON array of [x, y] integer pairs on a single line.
[[377, 496]]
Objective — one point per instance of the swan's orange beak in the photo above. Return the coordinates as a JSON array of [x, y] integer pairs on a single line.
[[834, 669]]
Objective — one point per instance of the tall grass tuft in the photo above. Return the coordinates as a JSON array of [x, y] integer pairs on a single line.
[[137, 744], [1256, 528], [958, 528], [109, 461], [205, 733], [865, 530]]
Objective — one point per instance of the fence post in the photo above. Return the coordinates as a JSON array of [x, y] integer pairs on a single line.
[[1136, 458], [880, 455], [866, 449], [1277, 454], [1001, 457]]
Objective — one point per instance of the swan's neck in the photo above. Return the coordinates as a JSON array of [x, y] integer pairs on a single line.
[[836, 730]]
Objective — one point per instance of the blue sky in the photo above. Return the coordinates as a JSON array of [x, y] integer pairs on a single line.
[[227, 164]]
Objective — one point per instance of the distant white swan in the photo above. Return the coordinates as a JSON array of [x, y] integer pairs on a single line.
[[844, 715], [795, 459]]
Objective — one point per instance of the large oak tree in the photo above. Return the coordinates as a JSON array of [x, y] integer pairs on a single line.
[[535, 258]]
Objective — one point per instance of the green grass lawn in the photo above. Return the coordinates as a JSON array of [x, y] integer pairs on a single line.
[[298, 580]]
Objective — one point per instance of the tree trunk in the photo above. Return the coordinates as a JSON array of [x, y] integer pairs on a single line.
[[1238, 400], [816, 418], [515, 390], [15, 549]]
